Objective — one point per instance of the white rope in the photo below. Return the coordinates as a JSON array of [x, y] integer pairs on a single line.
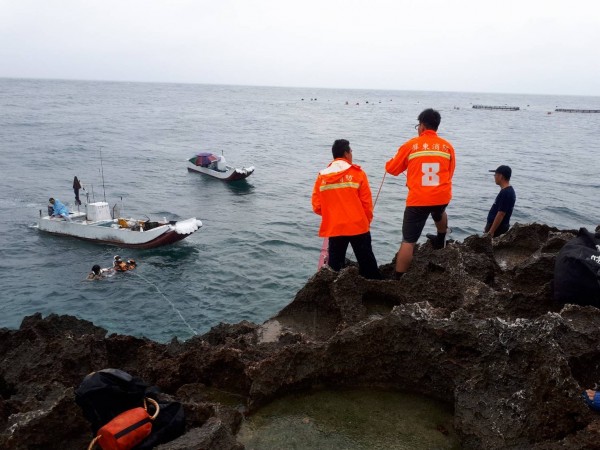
[[169, 301]]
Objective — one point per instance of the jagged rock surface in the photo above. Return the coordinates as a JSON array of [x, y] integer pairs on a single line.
[[473, 324]]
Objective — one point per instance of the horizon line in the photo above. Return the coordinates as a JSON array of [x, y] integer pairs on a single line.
[[286, 87]]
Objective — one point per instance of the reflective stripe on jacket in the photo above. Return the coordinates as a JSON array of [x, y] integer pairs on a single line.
[[342, 197], [430, 161]]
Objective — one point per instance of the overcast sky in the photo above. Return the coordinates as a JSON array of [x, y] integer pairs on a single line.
[[525, 46]]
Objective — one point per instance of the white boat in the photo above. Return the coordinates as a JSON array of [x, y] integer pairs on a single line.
[[216, 166], [97, 225]]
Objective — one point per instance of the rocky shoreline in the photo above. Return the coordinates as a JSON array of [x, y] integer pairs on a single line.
[[473, 324]]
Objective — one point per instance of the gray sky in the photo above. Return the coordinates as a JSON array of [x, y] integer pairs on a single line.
[[526, 46]]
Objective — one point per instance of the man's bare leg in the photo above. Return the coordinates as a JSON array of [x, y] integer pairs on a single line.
[[404, 257], [442, 225]]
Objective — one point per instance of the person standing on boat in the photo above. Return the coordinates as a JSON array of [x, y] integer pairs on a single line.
[[76, 187], [342, 197], [498, 219], [59, 210], [430, 162]]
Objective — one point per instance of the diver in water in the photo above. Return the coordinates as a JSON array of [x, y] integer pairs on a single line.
[[98, 273]]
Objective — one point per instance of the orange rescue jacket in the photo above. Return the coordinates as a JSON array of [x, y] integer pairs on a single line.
[[342, 197], [430, 162]]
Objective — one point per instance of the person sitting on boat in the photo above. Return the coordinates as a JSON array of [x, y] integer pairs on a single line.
[[59, 210]]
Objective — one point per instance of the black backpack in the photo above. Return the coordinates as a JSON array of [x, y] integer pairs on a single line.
[[577, 270], [105, 394]]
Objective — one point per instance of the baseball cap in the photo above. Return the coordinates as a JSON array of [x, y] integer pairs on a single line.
[[505, 171]]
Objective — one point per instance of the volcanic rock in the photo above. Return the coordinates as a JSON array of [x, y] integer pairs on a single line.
[[473, 324]]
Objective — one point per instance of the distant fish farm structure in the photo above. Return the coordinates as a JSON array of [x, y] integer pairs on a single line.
[[502, 108], [591, 111]]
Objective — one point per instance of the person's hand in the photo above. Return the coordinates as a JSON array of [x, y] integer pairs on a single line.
[[590, 393]]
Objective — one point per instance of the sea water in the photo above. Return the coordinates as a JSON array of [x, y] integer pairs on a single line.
[[129, 143]]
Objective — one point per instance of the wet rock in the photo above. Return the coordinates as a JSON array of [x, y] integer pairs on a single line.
[[473, 324], [46, 422], [223, 333]]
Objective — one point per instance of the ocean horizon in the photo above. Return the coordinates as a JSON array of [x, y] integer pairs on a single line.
[[208, 84]]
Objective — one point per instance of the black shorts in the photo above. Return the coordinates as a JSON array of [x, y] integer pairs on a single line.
[[415, 218]]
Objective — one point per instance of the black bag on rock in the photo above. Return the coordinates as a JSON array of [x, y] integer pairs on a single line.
[[577, 270], [105, 394], [169, 424]]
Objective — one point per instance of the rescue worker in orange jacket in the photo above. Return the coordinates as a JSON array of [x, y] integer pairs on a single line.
[[342, 197], [430, 162]]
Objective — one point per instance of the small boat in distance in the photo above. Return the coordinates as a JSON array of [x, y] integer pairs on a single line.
[[216, 166], [96, 224], [589, 111], [501, 108]]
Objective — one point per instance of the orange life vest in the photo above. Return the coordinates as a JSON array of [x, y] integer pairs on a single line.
[[121, 266]]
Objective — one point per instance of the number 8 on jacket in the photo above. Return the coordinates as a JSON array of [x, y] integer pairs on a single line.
[[430, 174]]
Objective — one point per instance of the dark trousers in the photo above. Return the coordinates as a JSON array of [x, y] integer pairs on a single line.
[[361, 244], [77, 201]]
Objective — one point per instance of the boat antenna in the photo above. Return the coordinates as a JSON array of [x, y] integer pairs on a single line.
[[102, 173]]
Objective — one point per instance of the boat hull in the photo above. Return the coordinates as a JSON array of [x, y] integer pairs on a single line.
[[231, 174], [109, 233]]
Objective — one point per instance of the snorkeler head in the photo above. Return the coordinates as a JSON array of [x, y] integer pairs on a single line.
[[96, 269]]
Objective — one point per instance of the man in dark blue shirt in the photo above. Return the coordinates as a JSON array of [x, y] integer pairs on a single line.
[[498, 219]]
